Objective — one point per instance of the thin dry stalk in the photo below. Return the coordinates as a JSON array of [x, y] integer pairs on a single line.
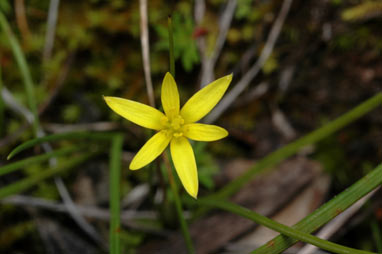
[[209, 60], [146, 50], [51, 30], [255, 69], [21, 19]]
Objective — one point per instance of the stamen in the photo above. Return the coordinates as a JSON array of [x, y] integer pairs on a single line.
[[177, 122], [171, 113], [164, 121], [178, 134], [174, 126]]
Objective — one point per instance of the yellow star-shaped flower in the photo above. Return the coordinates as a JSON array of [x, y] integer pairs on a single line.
[[175, 126]]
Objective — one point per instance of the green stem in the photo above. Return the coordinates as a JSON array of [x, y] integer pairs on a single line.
[[174, 189], [36, 159], [35, 179], [25, 73], [178, 206], [171, 46], [285, 230], [281, 154], [115, 179], [2, 104], [326, 212]]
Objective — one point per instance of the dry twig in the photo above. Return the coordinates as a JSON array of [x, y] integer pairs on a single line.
[[209, 60], [51, 30], [88, 211], [21, 19], [146, 50], [254, 70]]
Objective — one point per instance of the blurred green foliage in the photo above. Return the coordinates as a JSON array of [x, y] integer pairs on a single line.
[[12, 234], [185, 47], [364, 10], [207, 167]]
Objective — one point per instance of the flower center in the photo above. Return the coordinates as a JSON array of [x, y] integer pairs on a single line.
[[174, 126], [176, 122]]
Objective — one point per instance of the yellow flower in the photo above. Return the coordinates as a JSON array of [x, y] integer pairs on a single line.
[[175, 126]]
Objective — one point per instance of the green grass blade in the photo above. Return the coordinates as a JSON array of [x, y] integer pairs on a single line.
[[326, 212], [377, 234], [115, 179], [61, 136], [26, 183], [25, 73], [38, 158], [283, 153], [285, 230]]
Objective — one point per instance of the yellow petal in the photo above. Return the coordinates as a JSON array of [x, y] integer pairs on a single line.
[[152, 149], [185, 165], [170, 96], [204, 132], [204, 100], [136, 112]]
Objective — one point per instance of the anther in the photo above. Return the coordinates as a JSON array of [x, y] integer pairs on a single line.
[[164, 121], [177, 134]]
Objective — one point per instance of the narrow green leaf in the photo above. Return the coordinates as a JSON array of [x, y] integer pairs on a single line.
[[283, 153], [35, 179], [24, 69], [326, 212], [285, 230], [38, 158], [376, 229], [61, 136]]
